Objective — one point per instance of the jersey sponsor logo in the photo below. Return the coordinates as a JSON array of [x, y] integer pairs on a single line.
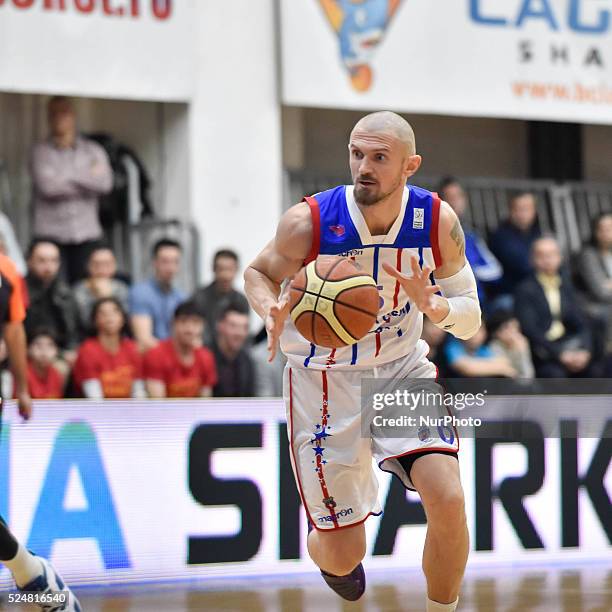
[[360, 27], [395, 313], [418, 218], [338, 230], [385, 322], [352, 253]]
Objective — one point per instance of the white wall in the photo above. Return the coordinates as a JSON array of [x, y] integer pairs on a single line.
[[235, 128]]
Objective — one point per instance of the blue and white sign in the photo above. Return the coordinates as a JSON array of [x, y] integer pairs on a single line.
[[146, 491], [538, 59]]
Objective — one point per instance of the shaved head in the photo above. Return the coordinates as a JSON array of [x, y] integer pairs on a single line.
[[386, 122], [382, 154]]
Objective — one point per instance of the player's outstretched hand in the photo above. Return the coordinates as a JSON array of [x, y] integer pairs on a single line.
[[418, 287], [24, 405], [275, 322]]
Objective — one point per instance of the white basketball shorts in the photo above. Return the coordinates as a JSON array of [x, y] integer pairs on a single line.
[[331, 459]]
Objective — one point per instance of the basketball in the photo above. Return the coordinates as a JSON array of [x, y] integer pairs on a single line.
[[333, 302]]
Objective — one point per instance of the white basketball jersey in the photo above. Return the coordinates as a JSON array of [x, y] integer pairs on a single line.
[[340, 229]]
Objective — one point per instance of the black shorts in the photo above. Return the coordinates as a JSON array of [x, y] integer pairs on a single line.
[[407, 461]]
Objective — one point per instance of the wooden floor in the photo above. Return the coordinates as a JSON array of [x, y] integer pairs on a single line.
[[538, 589]]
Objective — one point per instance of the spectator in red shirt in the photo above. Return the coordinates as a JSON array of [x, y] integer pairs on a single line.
[[109, 364], [44, 380], [180, 366]]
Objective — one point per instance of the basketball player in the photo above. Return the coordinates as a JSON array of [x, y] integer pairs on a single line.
[[400, 235], [31, 573]]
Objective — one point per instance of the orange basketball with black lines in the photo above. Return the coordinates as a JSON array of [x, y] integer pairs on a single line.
[[333, 302]]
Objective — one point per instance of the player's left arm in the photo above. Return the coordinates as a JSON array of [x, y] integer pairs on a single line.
[[457, 311], [452, 302]]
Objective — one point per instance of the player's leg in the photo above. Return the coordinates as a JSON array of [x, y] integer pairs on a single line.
[[436, 478], [332, 464], [30, 572], [23, 565], [338, 552], [20, 562], [424, 458]]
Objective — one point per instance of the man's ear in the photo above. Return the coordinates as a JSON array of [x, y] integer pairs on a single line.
[[413, 163]]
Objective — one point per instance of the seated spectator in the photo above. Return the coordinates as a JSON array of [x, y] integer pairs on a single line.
[[595, 271], [100, 283], [550, 317], [435, 338], [179, 366], [234, 364], [153, 302], [9, 245], [69, 173], [44, 380], [109, 364], [216, 297], [512, 241], [508, 341], [484, 264], [51, 304], [474, 358], [268, 375]]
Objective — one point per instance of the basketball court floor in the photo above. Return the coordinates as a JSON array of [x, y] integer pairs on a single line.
[[586, 588]]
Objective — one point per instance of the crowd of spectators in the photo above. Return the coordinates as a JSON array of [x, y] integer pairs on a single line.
[[104, 338], [94, 334], [543, 316], [91, 332]]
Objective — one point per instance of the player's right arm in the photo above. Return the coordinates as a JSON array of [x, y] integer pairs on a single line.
[[15, 338], [280, 259]]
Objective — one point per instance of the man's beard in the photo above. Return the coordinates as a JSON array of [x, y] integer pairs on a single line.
[[372, 196]]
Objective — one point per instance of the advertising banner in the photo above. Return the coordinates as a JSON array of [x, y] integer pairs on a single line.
[[537, 59], [132, 49], [149, 491]]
